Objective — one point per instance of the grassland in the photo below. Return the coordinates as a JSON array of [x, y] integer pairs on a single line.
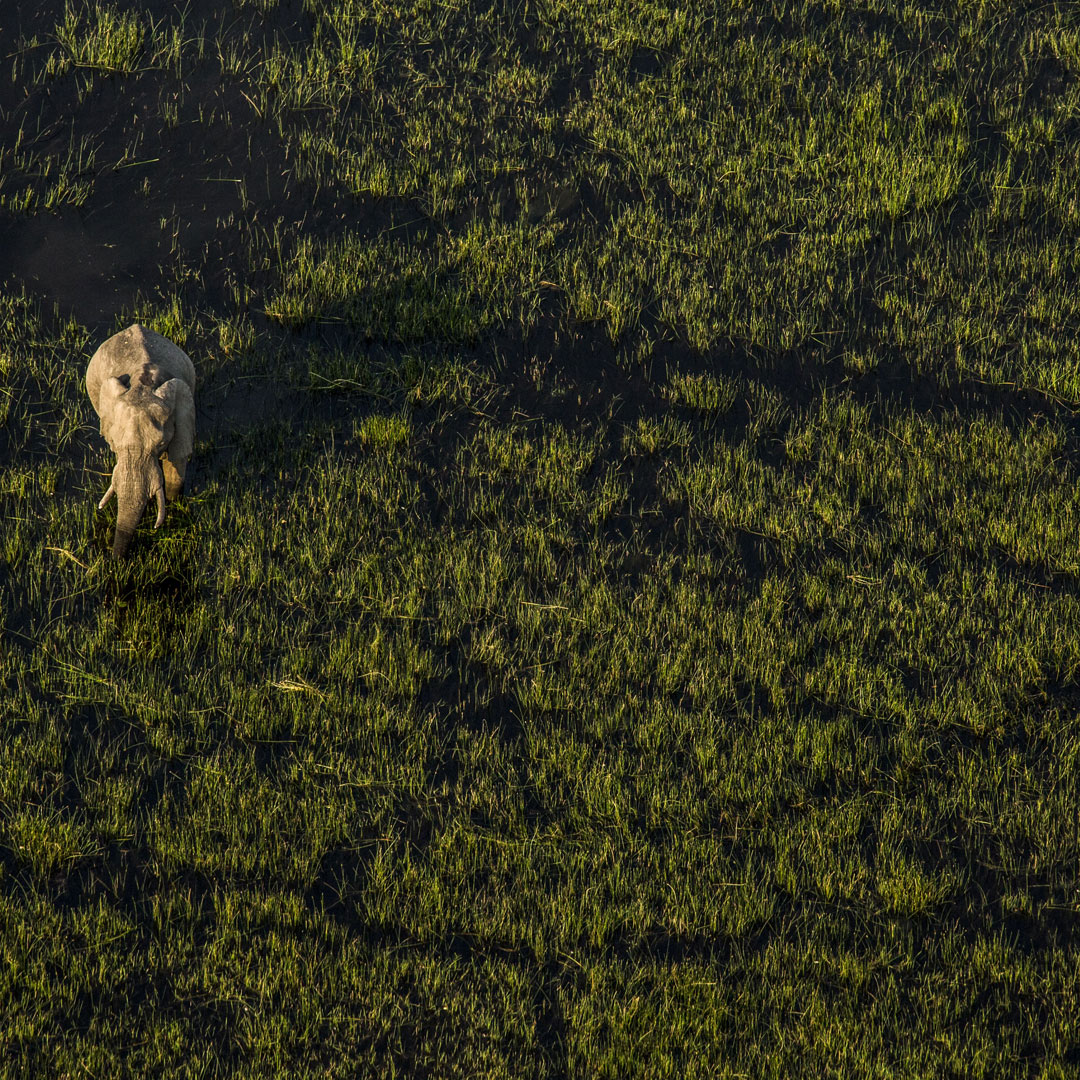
[[625, 621]]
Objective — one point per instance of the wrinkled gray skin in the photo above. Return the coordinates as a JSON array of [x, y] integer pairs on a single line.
[[142, 387]]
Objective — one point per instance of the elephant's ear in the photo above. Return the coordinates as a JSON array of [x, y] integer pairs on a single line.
[[111, 389], [178, 409]]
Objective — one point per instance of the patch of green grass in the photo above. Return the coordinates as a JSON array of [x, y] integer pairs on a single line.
[[705, 393], [421, 376], [382, 432], [649, 436], [102, 38], [388, 290]]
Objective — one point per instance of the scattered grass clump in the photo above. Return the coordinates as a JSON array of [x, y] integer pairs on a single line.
[[705, 393], [649, 436], [47, 181], [382, 432], [102, 37]]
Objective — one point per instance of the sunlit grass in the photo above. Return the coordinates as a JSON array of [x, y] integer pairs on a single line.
[[624, 619], [102, 37]]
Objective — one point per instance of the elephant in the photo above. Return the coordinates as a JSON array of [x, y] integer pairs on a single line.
[[142, 387]]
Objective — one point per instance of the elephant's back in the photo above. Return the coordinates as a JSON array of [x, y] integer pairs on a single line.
[[142, 355]]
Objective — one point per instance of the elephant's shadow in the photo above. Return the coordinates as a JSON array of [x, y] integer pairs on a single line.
[[168, 573]]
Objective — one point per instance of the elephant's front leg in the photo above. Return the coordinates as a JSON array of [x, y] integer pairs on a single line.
[[174, 477]]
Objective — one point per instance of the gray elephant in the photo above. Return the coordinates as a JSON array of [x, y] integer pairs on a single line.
[[142, 387]]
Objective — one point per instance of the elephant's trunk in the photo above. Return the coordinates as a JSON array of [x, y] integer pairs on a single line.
[[130, 509], [137, 480]]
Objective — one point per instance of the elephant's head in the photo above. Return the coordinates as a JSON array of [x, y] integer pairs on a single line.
[[138, 423]]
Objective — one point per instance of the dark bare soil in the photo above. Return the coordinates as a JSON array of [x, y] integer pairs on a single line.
[[123, 244]]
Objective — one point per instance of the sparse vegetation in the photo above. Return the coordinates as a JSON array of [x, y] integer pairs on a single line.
[[101, 37], [625, 620]]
